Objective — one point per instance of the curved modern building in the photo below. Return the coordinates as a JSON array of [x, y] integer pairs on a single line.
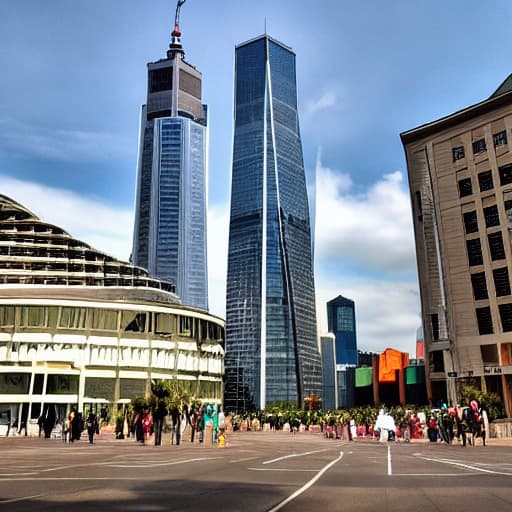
[[81, 329], [272, 351]]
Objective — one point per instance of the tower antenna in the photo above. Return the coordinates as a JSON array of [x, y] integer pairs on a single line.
[[177, 17]]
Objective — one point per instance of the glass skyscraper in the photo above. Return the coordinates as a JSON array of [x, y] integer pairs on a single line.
[[271, 340], [170, 219], [341, 321]]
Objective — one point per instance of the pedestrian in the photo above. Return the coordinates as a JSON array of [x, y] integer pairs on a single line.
[[432, 430], [147, 424], [221, 439], [92, 426], [380, 426]]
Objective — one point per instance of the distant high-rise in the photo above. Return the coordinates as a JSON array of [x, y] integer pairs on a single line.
[[272, 351], [170, 219], [341, 321], [330, 386]]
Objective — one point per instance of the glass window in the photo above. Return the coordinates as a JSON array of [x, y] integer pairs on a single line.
[[437, 361], [501, 281], [470, 222], [33, 316], [484, 319], [479, 146], [489, 353], [434, 320], [72, 318], [505, 174], [38, 384], [506, 317], [104, 319], [492, 217], [465, 187], [474, 252], [508, 209], [7, 316], [165, 323], [14, 384], [485, 181], [479, 286], [500, 138], [458, 153], [345, 319], [62, 384], [133, 321], [53, 315], [496, 246]]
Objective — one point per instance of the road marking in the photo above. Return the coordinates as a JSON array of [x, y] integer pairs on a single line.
[[14, 500], [294, 455], [283, 469], [435, 474], [390, 471], [307, 485], [467, 466], [108, 464], [243, 460]]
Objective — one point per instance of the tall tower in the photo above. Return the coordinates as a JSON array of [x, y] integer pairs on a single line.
[[169, 237], [271, 351], [341, 321]]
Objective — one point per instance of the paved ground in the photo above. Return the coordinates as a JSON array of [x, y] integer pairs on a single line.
[[255, 472]]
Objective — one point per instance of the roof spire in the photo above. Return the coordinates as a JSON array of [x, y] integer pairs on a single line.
[[175, 45]]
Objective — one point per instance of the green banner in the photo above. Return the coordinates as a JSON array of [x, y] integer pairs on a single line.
[[364, 377]]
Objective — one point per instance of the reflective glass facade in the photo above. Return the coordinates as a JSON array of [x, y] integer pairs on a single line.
[[170, 219], [272, 351], [341, 321]]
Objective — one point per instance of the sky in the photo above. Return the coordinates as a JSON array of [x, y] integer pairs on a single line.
[[73, 78]]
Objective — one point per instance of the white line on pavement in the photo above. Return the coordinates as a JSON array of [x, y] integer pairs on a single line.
[[307, 485], [390, 471], [283, 469], [294, 455], [14, 500], [467, 466]]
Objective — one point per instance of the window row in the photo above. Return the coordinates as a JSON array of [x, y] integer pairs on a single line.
[[484, 319], [491, 217], [162, 324], [485, 180], [496, 249], [501, 283], [479, 146]]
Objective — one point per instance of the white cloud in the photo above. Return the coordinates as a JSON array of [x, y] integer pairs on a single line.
[[106, 228], [326, 100], [372, 228]]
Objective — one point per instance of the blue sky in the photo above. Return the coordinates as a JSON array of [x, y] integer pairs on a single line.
[[74, 77]]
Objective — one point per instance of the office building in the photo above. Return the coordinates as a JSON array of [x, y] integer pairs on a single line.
[[341, 321], [169, 237], [79, 328], [460, 177], [272, 351], [330, 387]]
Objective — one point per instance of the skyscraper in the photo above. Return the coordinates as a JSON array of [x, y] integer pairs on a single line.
[[170, 219], [272, 352], [341, 321]]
